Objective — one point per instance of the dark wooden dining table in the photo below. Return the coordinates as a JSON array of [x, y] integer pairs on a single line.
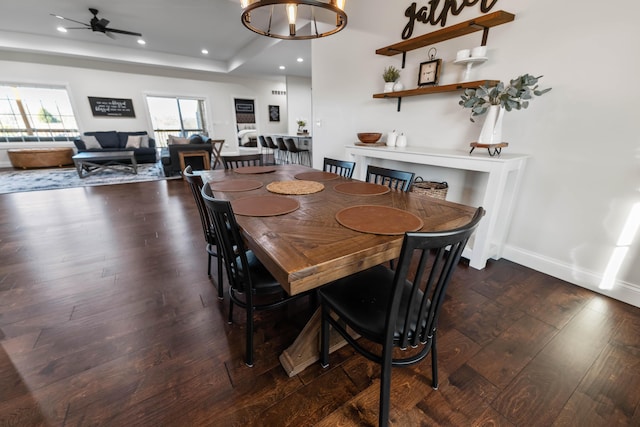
[[308, 247]]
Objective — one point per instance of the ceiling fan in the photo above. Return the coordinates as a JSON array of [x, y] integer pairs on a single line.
[[97, 24]]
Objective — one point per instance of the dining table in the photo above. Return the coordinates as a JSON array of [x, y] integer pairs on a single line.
[[310, 227]]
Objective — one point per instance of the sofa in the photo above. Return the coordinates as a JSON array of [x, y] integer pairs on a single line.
[[143, 146], [170, 156]]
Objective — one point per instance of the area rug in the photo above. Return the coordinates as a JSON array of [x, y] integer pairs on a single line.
[[14, 181]]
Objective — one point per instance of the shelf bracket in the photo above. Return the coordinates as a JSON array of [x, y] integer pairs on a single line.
[[404, 58], [399, 102], [485, 36]]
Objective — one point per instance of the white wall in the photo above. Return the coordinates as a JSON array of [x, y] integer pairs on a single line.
[[582, 178], [83, 80], [299, 102]]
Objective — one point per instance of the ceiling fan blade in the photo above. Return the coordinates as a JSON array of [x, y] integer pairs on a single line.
[[129, 33], [78, 28], [68, 19], [103, 22], [108, 34]]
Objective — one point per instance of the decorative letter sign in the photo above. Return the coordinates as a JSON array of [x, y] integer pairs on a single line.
[[438, 11], [111, 107]]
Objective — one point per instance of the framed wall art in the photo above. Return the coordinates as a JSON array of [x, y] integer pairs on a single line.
[[274, 113]]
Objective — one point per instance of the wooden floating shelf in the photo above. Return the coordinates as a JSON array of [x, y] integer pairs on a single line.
[[425, 90], [480, 23]]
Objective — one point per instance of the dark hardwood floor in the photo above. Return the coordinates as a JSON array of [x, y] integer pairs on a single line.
[[107, 317]]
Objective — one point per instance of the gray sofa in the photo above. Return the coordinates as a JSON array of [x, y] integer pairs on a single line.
[[144, 148]]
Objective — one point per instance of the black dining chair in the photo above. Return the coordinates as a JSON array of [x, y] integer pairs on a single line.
[[296, 152], [396, 309], [283, 152], [341, 167], [195, 184], [251, 286], [394, 179], [232, 162]]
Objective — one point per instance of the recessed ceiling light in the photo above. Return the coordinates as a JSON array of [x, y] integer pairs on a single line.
[[59, 17], [205, 52], [62, 29], [300, 60], [142, 42], [282, 67]]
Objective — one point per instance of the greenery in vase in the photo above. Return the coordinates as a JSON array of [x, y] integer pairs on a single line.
[[391, 74], [516, 96], [301, 123]]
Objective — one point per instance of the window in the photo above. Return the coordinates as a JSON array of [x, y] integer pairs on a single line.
[[176, 116], [29, 113]]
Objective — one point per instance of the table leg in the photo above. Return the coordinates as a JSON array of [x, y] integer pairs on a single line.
[[305, 350]]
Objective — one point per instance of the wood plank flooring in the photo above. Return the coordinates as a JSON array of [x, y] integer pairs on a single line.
[[107, 317]]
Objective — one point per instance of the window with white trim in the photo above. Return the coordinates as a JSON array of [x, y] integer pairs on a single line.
[[36, 113], [176, 116]]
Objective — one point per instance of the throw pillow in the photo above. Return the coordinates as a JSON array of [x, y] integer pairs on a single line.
[[177, 140], [196, 139], [107, 139], [144, 141], [91, 142], [133, 141]]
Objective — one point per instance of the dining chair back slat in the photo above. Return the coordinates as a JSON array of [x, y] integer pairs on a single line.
[[341, 167], [233, 162], [394, 179]]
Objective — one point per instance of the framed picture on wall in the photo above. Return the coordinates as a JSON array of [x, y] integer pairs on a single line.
[[274, 113]]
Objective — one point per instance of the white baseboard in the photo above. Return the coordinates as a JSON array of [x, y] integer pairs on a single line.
[[622, 291]]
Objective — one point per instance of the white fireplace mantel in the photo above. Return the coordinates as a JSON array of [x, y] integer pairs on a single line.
[[498, 199]]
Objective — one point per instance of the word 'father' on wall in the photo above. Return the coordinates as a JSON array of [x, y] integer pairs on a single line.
[[437, 12]]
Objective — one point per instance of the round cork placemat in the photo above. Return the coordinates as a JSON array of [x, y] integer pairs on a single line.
[[317, 176], [361, 188], [295, 187], [265, 205], [235, 185], [255, 169], [383, 220]]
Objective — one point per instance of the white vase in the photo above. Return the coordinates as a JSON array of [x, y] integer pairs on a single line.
[[398, 86], [401, 141], [391, 139], [491, 132], [388, 87]]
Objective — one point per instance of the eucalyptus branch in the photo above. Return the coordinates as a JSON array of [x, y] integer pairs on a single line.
[[516, 96]]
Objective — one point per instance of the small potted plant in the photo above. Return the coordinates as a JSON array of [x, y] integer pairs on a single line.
[[496, 100], [301, 124], [390, 75]]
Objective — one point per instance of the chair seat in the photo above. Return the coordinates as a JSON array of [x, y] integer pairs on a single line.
[[364, 298], [263, 282]]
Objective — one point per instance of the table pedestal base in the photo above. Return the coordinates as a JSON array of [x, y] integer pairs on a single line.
[[305, 350]]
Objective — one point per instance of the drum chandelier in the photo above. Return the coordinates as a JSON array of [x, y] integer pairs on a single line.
[[294, 19]]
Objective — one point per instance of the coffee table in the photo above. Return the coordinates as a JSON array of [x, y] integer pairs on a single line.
[[88, 162]]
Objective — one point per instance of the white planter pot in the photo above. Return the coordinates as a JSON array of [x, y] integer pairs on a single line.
[[388, 87], [492, 129]]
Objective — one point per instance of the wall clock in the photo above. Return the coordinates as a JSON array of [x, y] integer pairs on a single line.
[[429, 72]]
